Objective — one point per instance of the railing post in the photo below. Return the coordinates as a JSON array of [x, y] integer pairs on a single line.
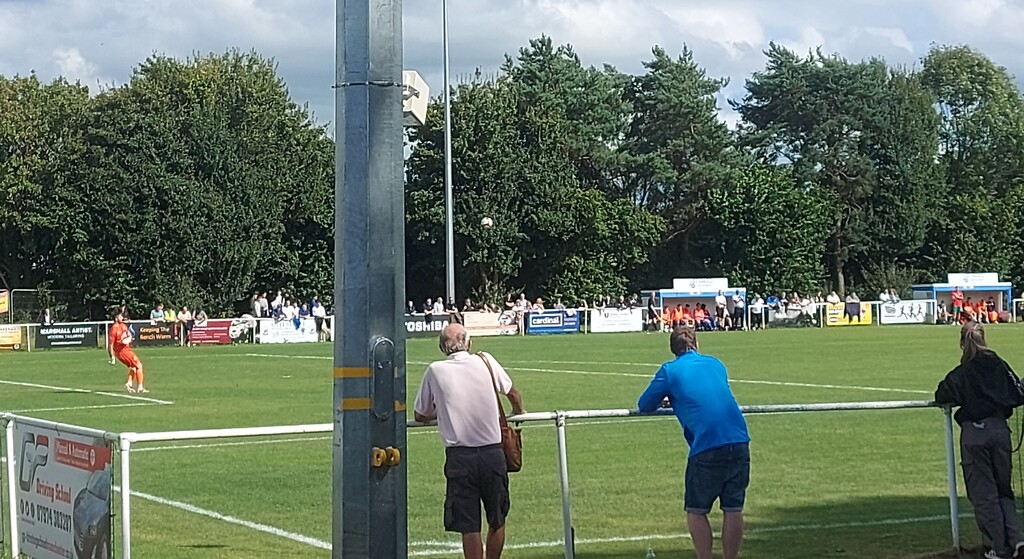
[[126, 498], [563, 473], [954, 505], [11, 488]]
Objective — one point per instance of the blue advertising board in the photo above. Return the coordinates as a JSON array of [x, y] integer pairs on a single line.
[[553, 322]]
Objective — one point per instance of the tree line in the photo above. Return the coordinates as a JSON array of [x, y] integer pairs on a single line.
[[199, 181]]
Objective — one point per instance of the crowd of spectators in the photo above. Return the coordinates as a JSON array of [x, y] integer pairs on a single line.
[[285, 307], [181, 322]]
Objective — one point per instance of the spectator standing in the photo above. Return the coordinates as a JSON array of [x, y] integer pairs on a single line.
[[721, 307], [739, 310], [428, 311], [718, 466], [185, 325], [410, 308], [986, 390], [942, 313], [757, 313], [439, 307], [558, 304], [254, 304], [45, 317], [653, 318], [460, 394], [264, 306], [884, 296], [958, 303], [304, 311], [833, 298], [454, 316], [319, 317], [157, 314]]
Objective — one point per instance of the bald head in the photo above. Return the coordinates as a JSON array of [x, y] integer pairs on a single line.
[[454, 338]]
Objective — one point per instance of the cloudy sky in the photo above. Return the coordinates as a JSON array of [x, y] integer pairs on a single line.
[[99, 41]]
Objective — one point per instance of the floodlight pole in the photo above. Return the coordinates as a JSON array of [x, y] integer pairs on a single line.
[[449, 236], [369, 474]]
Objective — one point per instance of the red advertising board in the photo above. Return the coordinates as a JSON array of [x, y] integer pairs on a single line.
[[225, 331]]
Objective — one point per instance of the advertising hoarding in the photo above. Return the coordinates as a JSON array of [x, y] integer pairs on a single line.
[[67, 336], [616, 320], [553, 322], [62, 494]]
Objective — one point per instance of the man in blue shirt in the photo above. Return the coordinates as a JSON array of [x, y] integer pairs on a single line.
[[718, 467]]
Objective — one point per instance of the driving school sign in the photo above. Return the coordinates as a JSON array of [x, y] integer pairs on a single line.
[[62, 493]]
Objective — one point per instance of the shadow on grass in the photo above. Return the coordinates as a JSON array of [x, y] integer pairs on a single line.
[[890, 527]]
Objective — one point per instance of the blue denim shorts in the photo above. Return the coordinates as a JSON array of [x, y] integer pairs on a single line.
[[721, 474]]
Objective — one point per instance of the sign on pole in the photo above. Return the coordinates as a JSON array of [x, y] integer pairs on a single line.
[[62, 493]]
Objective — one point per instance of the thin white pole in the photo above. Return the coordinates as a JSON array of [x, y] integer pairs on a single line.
[[954, 505], [448, 202], [126, 498], [563, 473], [11, 488]]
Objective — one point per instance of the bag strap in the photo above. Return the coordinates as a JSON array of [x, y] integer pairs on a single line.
[[494, 383]]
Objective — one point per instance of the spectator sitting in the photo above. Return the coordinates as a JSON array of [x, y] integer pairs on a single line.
[[942, 313], [701, 320]]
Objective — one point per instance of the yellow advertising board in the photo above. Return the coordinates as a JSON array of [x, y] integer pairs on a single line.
[[10, 337], [848, 314]]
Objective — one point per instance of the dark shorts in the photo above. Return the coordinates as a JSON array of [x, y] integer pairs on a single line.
[[721, 474], [475, 476]]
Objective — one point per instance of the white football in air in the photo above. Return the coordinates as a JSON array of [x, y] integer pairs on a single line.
[[487, 222]]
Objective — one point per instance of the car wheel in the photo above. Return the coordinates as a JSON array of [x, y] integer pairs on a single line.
[[102, 550]]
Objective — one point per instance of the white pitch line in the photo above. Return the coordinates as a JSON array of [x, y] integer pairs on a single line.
[[640, 375], [449, 548], [74, 408], [84, 391], [455, 548], [233, 520]]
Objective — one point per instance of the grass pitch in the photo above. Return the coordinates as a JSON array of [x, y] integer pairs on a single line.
[[832, 484]]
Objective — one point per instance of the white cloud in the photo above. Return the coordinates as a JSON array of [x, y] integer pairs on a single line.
[[102, 41], [73, 66]]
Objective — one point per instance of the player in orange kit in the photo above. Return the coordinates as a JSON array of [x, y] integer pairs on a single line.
[[118, 343]]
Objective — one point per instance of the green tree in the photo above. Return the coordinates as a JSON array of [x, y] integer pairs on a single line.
[[982, 150], [203, 181], [769, 231], [676, 152], [40, 136]]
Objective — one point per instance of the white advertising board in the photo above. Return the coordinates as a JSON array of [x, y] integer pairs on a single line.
[[615, 320], [700, 285], [273, 331], [963, 280], [491, 324], [62, 494], [907, 312]]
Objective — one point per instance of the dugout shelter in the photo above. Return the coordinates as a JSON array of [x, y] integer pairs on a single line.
[[694, 291], [975, 286]]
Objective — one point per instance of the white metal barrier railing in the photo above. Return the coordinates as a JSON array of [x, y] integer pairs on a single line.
[[124, 441]]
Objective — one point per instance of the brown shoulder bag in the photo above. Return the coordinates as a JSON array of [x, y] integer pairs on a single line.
[[511, 439]]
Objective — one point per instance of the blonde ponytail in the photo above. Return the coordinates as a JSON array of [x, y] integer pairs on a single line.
[[972, 341]]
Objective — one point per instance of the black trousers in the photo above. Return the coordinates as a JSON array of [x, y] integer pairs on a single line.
[[986, 459]]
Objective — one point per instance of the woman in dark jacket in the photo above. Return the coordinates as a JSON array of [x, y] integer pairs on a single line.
[[986, 390]]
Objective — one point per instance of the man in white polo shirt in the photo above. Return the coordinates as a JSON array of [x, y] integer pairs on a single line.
[[459, 394]]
